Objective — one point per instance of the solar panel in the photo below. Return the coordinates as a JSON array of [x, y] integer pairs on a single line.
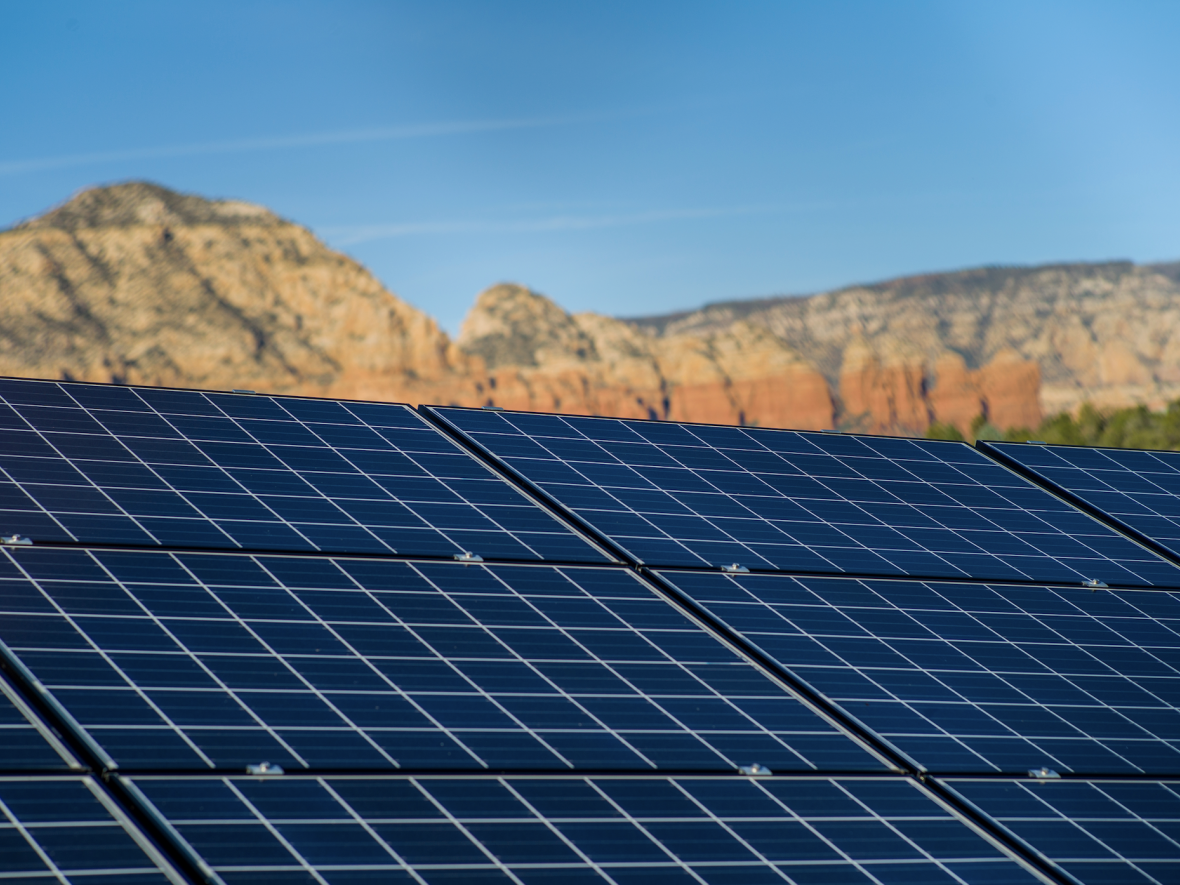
[[219, 581], [143, 466], [67, 830], [25, 743], [1099, 832], [1138, 489], [196, 660], [574, 830], [700, 495], [972, 677]]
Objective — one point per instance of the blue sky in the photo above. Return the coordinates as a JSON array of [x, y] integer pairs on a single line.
[[629, 158]]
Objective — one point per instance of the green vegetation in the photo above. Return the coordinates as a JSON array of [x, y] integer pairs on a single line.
[[1136, 427]]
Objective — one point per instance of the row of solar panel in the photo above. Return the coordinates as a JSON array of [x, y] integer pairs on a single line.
[[189, 661], [110, 465], [689, 495], [79, 589], [532, 830], [199, 660]]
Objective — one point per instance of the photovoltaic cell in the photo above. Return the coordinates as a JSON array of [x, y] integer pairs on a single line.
[[26, 744], [197, 660], [1139, 489], [1100, 832], [697, 495], [120, 465], [64, 830], [437, 701], [576, 830], [966, 677]]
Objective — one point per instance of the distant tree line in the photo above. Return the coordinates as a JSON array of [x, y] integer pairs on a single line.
[[1135, 427]]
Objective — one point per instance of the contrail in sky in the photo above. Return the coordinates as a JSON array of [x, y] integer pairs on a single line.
[[351, 235], [313, 139]]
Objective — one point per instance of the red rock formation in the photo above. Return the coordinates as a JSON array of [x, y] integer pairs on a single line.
[[135, 283]]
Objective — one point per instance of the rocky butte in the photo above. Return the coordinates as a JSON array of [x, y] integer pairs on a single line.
[[137, 284]]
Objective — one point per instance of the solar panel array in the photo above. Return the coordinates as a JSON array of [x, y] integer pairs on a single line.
[[146, 467], [982, 626], [682, 495], [251, 639]]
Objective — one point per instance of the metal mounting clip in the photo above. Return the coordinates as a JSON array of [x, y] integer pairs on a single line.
[[735, 569], [15, 541], [1093, 584], [1042, 773], [468, 557], [264, 769], [755, 770]]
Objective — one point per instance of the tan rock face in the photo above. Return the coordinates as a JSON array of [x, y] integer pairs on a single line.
[[734, 372], [979, 340], [137, 284], [593, 365]]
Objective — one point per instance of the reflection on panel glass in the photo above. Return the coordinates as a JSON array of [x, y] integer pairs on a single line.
[[65, 830], [1099, 832], [550, 830], [119, 465], [202, 660], [683, 494], [970, 677]]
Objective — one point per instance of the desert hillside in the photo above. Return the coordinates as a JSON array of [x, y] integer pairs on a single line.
[[137, 284], [134, 283]]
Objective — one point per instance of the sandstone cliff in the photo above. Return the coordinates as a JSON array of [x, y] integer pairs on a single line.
[[134, 283], [540, 357], [953, 344], [137, 284]]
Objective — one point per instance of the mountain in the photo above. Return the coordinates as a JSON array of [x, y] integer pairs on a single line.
[[1104, 333], [137, 284], [134, 283]]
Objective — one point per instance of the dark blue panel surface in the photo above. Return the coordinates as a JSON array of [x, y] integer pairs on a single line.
[[1139, 489], [695, 495], [968, 677], [60, 830], [575, 830], [1100, 832], [196, 660], [25, 743], [117, 465]]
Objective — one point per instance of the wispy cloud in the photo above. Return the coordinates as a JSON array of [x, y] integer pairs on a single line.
[[353, 234], [288, 142]]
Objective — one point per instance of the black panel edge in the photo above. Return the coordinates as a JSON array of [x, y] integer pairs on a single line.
[[1026, 852], [57, 741], [152, 839], [95, 766], [41, 701], [1111, 522], [628, 561], [309, 554], [754, 427], [526, 487], [932, 579], [163, 831], [64, 385], [900, 761]]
